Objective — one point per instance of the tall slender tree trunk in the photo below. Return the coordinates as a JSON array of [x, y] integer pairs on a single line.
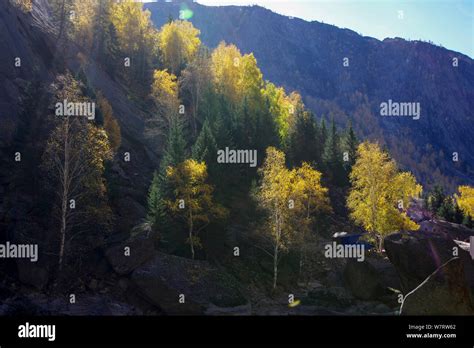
[[191, 239], [302, 250], [275, 252], [194, 121], [275, 266], [65, 194], [196, 110], [62, 20], [300, 272], [63, 234]]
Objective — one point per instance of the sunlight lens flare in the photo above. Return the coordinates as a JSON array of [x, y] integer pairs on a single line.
[[185, 13]]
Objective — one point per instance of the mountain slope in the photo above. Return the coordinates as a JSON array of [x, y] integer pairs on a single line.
[[308, 57], [25, 101]]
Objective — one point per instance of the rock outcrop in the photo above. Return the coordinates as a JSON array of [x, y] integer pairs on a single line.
[[417, 254], [128, 255], [444, 292], [31, 274], [371, 279], [182, 286]]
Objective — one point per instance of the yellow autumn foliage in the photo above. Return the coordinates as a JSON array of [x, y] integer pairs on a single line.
[[236, 76], [465, 199], [178, 42], [289, 197], [282, 107], [193, 201], [164, 92], [135, 31], [380, 193]]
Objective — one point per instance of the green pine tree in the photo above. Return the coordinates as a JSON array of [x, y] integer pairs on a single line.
[[458, 215], [266, 129], [350, 146], [156, 208], [323, 133], [303, 140], [224, 125], [467, 221], [205, 147], [446, 210], [175, 152], [333, 157], [436, 198], [159, 190]]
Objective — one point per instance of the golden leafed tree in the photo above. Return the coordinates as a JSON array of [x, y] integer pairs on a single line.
[[178, 42], [465, 200], [226, 71], [164, 92], [310, 198], [111, 126], [282, 107], [24, 5], [137, 37], [193, 201], [74, 160], [380, 193], [195, 80], [82, 20], [236, 76], [274, 196]]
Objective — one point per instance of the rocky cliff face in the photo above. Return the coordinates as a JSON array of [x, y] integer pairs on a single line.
[[309, 56], [28, 67], [27, 53]]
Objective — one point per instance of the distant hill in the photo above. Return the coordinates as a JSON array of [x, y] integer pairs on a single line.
[[308, 57]]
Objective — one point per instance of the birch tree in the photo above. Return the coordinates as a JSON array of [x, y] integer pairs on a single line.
[[74, 160], [311, 198], [380, 194], [274, 195], [193, 201], [195, 80], [179, 42], [465, 199]]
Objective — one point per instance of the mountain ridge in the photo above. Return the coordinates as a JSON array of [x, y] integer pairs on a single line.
[[308, 57]]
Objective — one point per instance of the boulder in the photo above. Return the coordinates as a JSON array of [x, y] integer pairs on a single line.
[[141, 250], [444, 292], [333, 298], [165, 278], [419, 215], [417, 254], [454, 231], [370, 279], [30, 273]]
